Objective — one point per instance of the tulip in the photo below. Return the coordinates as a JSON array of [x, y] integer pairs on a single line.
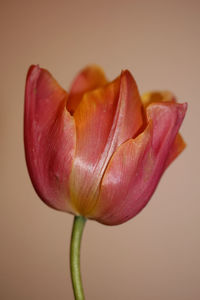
[[100, 150]]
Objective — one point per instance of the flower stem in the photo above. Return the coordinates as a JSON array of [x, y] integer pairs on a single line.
[[76, 236]]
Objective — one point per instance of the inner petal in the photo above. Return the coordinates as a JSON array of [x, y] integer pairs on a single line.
[[104, 119], [90, 78]]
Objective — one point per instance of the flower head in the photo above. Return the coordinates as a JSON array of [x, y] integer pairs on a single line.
[[98, 151]]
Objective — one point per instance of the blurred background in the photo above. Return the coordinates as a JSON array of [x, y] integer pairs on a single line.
[[153, 256]]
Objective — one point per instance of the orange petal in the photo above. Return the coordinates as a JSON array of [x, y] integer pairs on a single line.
[[136, 167], [49, 136], [177, 147], [157, 96], [104, 119], [90, 78]]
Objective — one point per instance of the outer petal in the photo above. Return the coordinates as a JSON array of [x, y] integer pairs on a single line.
[[104, 119], [49, 136], [165, 96], [90, 78], [135, 169]]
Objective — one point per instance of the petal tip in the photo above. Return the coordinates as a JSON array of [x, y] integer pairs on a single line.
[[182, 108], [33, 72], [126, 74]]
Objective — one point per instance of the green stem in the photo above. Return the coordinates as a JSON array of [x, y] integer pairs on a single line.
[[77, 231]]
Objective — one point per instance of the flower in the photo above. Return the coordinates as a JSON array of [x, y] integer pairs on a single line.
[[98, 151]]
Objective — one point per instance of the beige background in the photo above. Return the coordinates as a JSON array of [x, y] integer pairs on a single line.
[[154, 256]]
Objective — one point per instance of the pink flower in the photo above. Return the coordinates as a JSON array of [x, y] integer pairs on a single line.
[[98, 151]]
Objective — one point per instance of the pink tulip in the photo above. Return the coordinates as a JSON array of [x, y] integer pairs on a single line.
[[100, 150]]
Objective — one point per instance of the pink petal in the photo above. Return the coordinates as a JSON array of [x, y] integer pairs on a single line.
[[104, 119], [49, 136], [136, 167], [165, 96], [90, 78]]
